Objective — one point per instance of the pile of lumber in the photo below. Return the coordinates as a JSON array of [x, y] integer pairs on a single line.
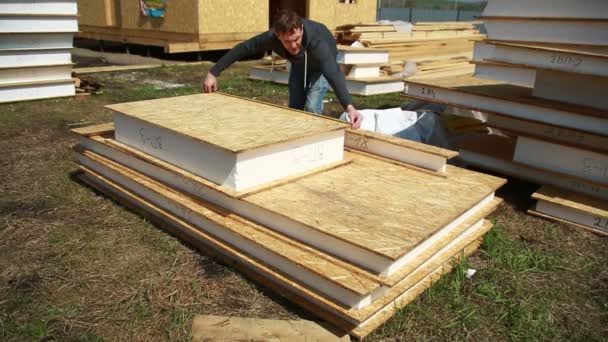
[[361, 67], [350, 225], [541, 79], [35, 49], [448, 46]]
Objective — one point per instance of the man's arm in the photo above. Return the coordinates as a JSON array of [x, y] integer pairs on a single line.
[[335, 77], [253, 46]]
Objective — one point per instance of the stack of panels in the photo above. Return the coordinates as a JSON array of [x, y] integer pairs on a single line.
[[35, 49], [439, 49], [541, 78], [353, 252], [361, 67]]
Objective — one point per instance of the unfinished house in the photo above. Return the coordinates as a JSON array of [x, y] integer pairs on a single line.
[[202, 25]]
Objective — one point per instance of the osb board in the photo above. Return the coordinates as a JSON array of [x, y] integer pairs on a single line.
[[504, 91], [334, 270], [491, 181], [97, 12], [442, 243], [549, 217], [209, 328], [228, 122], [416, 290], [382, 207], [389, 139], [467, 184], [572, 200], [225, 16], [396, 298], [108, 140], [124, 34], [323, 11], [180, 16], [360, 11]]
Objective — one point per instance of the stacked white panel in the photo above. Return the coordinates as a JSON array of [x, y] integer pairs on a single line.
[[36, 38]]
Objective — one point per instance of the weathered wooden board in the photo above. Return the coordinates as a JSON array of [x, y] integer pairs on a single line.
[[210, 328]]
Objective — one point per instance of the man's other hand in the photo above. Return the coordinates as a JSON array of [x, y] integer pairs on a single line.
[[210, 83], [355, 117]]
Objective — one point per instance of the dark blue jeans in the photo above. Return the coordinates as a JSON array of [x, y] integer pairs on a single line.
[[307, 97]]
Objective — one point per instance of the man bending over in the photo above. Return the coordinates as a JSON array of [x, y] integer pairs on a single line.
[[311, 49]]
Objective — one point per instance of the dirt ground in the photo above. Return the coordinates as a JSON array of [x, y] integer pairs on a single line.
[[74, 265]]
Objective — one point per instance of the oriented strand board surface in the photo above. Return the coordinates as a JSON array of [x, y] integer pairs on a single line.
[[228, 122], [385, 208], [94, 12], [225, 16], [332, 13], [207, 328], [572, 200], [503, 91], [395, 299], [340, 273]]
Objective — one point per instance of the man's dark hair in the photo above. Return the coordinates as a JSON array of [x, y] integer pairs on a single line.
[[285, 21]]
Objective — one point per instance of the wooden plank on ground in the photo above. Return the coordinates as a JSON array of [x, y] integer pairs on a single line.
[[210, 328]]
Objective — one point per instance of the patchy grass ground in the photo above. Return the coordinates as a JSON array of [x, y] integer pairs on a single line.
[[75, 265]]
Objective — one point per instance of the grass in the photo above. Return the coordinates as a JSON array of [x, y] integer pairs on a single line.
[[75, 265]]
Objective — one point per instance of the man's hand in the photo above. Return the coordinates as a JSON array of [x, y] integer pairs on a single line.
[[355, 117], [210, 83]]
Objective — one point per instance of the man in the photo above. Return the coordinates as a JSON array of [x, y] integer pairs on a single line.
[[311, 49]]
